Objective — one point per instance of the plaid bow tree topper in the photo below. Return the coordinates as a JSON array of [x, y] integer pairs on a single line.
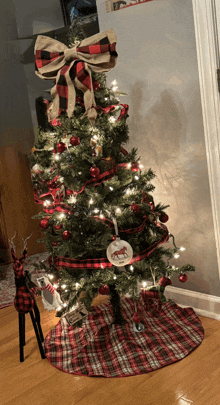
[[72, 66]]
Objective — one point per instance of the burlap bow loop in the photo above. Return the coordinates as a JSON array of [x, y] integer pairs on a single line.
[[71, 54], [72, 67]]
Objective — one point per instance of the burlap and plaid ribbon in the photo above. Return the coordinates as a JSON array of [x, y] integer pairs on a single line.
[[72, 67]]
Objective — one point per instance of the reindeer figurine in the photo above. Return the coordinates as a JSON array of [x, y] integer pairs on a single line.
[[24, 301]]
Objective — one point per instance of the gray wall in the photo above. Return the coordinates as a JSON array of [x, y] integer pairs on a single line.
[[157, 68]]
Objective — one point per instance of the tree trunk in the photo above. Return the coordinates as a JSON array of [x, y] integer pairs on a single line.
[[115, 303]]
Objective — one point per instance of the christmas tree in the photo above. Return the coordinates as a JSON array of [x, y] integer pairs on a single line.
[[103, 229]]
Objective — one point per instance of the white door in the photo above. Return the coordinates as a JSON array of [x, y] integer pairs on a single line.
[[207, 30]]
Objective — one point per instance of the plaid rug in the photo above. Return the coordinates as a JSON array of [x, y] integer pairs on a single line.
[[100, 348]]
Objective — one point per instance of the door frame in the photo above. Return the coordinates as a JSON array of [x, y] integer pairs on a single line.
[[207, 32]]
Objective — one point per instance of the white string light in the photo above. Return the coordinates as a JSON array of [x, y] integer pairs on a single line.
[[72, 199], [176, 256], [63, 286], [182, 248], [132, 268], [144, 284], [111, 188], [128, 165], [118, 210], [91, 201], [77, 285], [61, 216], [136, 177], [51, 276], [47, 202], [57, 156], [112, 119]]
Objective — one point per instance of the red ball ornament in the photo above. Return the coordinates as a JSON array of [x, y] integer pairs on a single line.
[[54, 243], [94, 171], [44, 223], [74, 140], [163, 218], [103, 290], [61, 147], [58, 227], [135, 167], [135, 207], [136, 318], [96, 85], [164, 281], [66, 235], [183, 277], [51, 184]]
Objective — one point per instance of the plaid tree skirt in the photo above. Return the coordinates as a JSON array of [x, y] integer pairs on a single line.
[[101, 348]]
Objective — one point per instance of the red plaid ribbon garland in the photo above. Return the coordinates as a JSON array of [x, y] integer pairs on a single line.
[[70, 67], [94, 182], [24, 301], [111, 225], [67, 262], [108, 109]]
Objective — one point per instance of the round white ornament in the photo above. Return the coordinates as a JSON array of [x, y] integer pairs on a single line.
[[119, 252]]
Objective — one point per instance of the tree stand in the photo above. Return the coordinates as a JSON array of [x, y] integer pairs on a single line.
[[35, 318], [116, 306]]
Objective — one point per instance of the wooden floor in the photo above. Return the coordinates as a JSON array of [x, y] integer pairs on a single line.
[[193, 380]]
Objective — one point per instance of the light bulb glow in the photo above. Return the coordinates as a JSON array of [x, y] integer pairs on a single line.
[[114, 82], [115, 277], [51, 276], [182, 248], [176, 256], [47, 202], [63, 286], [77, 285], [55, 286], [111, 188], [65, 304], [114, 88], [57, 156], [118, 211], [132, 268], [101, 216], [144, 284], [112, 119], [136, 177], [72, 199], [96, 210], [61, 216], [58, 309], [91, 201], [128, 165]]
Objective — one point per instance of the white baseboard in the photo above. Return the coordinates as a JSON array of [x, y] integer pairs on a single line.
[[203, 304]]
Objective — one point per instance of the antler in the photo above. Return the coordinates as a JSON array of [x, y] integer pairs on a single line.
[[12, 245], [25, 240]]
